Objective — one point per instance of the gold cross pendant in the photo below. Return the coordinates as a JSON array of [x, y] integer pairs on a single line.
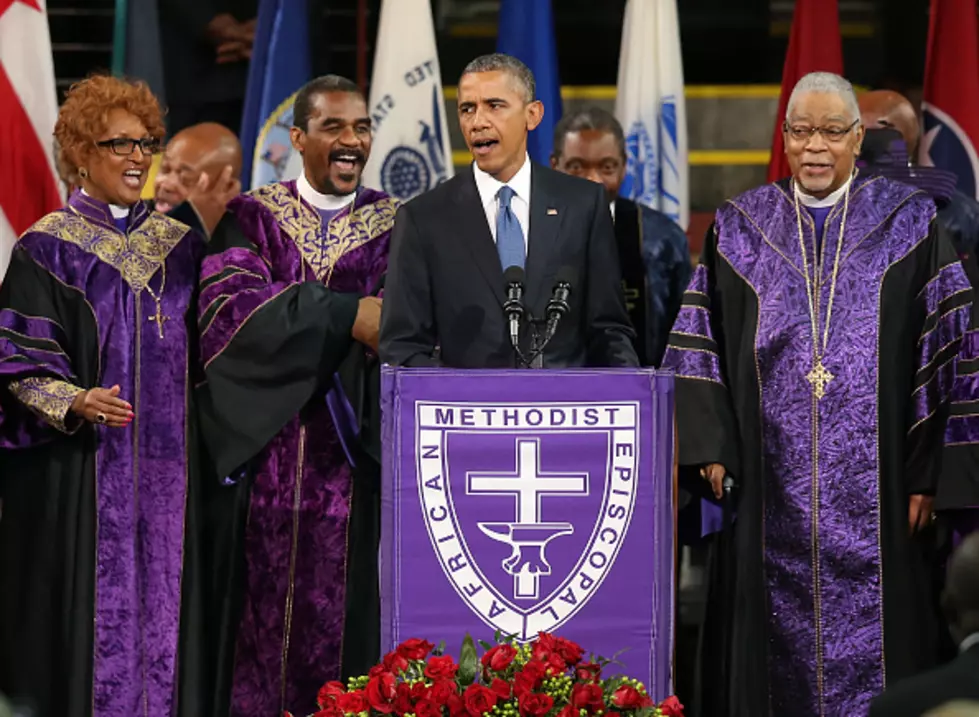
[[159, 318], [819, 377]]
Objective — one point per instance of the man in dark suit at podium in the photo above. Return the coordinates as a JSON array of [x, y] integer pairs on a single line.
[[445, 288]]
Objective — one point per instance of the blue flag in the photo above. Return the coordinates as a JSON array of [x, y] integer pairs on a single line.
[[526, 31], [280, 65]]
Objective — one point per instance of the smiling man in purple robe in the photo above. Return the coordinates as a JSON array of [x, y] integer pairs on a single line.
[[285, 291], [814, 356]]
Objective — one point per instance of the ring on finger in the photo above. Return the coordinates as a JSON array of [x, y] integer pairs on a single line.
[[100, 418]]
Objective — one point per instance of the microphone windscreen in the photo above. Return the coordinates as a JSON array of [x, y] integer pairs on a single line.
[[513, 275]]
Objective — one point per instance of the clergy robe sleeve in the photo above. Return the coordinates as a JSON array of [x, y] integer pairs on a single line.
[[959, 485], [666, 255], [45, 360], [944, 305], [609, 334], [696, 353], [269, 339], [408, 331]]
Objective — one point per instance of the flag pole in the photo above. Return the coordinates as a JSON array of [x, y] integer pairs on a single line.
[[119, 39], [362, 45]]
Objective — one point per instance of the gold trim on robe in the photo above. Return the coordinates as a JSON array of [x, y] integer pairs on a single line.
[[49, 398], [137, 256], [345, 233]]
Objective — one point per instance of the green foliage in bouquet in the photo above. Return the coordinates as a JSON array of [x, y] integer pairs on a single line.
[[546, 678]]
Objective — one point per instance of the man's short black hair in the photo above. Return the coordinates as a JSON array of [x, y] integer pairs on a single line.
[[303, 104], [591, 118], [498, 62]]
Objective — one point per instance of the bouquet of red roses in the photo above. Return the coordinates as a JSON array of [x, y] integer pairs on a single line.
[[546, 678]]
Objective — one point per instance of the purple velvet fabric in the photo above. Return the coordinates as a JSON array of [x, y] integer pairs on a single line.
[[141, 469], [822, 497], [694, 322], [291, 631]]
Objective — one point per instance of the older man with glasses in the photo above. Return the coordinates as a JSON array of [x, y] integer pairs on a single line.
[[814, 359]]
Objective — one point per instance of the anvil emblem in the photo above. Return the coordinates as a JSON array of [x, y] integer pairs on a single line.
[[527, 535]]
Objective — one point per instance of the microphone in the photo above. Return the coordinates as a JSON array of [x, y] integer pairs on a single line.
[[513, 306], [558, 305]]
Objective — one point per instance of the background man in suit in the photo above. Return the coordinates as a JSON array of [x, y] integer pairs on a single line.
[[653, 250], [445, 288], [958, 680]]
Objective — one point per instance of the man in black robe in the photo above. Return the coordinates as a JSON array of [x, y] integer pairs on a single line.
[[654, 254], [813, 355], [286, 314]]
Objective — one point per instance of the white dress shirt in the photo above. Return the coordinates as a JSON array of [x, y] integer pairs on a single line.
[[488, 186]]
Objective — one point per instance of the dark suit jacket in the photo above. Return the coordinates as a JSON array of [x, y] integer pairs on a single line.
[[443, 302], [915, 696]]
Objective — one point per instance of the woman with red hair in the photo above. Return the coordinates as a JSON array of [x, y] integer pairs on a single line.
[[96, 441]]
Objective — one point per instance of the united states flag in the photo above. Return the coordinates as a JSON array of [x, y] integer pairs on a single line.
[[28, 109]]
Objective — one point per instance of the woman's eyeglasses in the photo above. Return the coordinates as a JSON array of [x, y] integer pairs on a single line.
[[124, 147]]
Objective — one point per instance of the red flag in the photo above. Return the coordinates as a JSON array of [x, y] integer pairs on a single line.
[[28, 110], [814, 46], [951, 97]]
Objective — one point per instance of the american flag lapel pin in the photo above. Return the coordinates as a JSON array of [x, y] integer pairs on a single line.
[[551, 212]]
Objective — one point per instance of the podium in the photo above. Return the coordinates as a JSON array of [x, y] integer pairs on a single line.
[[531, 501]]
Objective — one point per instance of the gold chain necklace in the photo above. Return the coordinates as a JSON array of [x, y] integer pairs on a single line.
[[819, 377], [158, 317]]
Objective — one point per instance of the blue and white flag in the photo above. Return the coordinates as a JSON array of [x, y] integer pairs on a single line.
[[651, 107], [411, 152], [526, 31], [279, 67]]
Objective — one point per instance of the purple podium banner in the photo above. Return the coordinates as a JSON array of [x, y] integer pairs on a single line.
[[527, 502]]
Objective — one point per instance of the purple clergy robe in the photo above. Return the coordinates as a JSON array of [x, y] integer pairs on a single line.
[[830, 595], [279, 293], [92, 540]]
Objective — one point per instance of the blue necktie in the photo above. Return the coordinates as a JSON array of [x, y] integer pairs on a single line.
[[509, 235]]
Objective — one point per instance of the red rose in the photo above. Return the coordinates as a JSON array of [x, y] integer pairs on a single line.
[[328, 693], [535, 704], [589, 672], [440, 692], [353, 702], [395, 663], [587, 697], [479, 700], [499, 658], [427, 708], [543, 646], [381, 692], [671, 707], [415, 649], [456, 705], [568, 711], [377, 670], [529, 678], [571, 652], [402, 699], [441, 668], [330, 711], [555, 664], [501, 688], [628, 697]]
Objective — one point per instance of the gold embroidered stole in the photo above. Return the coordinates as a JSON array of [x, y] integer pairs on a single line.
[[137, 256], [345, 232]]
